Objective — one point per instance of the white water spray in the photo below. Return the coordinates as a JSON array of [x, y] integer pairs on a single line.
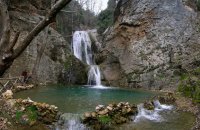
[[94, 75], [152, 115], [160, 107], [147, 114], [70, 121], [81, 46]]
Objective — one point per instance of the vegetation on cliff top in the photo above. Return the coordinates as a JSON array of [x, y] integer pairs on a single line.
[[105, 18]]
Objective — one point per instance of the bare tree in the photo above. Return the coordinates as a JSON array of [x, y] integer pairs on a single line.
[[91, 5], [7, 52]]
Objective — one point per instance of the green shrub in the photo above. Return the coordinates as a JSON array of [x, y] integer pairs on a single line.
[[189, 85], [18, 116], [105, 19], [30, 113], [104, 119]]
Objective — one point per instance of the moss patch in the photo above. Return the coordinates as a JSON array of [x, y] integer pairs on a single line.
[[189, 84]]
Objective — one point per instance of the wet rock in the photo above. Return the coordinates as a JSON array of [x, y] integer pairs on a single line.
[[109, 108], [120, 120], [75, 71], [111, 114], [23, 87], [120, 104], [8, 94], [94, 114], [168, 98], [103, 112], [87, 115], [149, 105], [99, 108]]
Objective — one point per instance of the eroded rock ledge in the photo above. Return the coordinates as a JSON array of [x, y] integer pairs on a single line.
[[25, 112]]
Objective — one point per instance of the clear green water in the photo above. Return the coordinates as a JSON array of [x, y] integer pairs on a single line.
[[82, 99]]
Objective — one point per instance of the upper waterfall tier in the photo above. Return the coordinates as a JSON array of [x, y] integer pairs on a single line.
[[81, 45]]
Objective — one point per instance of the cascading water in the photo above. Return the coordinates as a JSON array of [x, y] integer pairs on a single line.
[[70, 121], [81, 45], [147, 114], [161, 107], [94, 75], [152, 115]]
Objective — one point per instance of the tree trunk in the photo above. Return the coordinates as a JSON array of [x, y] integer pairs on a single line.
[[5, 39], [7, 57]]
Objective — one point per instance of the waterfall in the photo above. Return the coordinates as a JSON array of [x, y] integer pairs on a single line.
[[152, 115], [160, 107], [69, 121], [147, 114], [81, 46], [94, 76]]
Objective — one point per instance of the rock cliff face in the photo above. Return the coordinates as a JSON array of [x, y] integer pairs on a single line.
[[47, 53], [151, 43]]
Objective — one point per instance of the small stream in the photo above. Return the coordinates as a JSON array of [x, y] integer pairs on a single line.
[[75, 100]]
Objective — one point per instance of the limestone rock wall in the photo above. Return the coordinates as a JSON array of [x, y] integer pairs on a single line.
[[25, 15], [151, 43]]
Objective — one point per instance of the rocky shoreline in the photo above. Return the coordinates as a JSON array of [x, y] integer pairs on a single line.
[[32, 114], [105, 117], [23, 114], [112, 114]]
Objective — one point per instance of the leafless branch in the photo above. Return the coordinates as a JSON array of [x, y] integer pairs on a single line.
[[45, 22]]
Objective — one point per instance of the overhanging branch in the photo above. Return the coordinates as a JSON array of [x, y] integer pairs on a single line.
[[14, 41], [45, 22]]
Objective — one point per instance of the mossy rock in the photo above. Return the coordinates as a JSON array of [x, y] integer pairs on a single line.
[[149, 105], [75, 71], [189, 84], [168, 98]]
